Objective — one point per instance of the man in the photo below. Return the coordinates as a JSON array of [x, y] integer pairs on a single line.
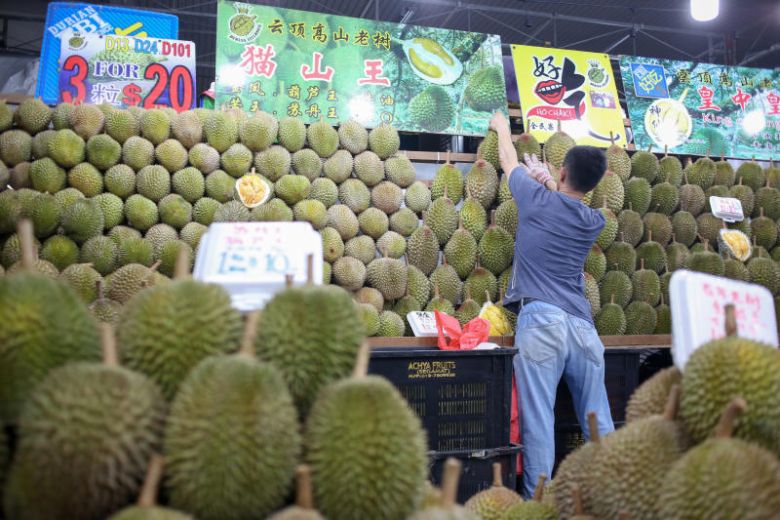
[[555, 332]]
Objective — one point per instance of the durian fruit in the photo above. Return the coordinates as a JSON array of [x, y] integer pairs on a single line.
[[220, 131], [644, 164], [664, 198], [763, 231], [611, 320], [488, 149], [706, 261], [400, 171], [205, 158], [417, 284], [702, 172], [767, 199], [388, 276], [448, 178], [496, 248], [610, 230], [422, 249], [369, 168], [220, 481], [362, 247], [618, 161], [353, 137], [349, 273], [615, 287], [304, 502], [473, 215], [121, 125], [653, 255], [292, 133], [536, 508], [633, 462], [86, 178], [146, 508], [676, 255], [326, 191], [631, 227], [621, 257], [659, 227], [507, 215], [596, 263], [574, 473], [646, 285], [448, 281], [69, 463], [370, 296], [387, 197], [670, 170], [384, 141], [640, 318], [354, 194], [390, 325], [32, 116], [258, 132], [697, 486], [315, 352], [87, 120], [592, 294], [343, 220], [765, 271], [152, 340], [745, 195], [306, 162], [652, 395], [273, 163], [692, 198], [714, 191], [418, 197], [482, 284], [724, 174], [101, 252], [685, 228], [137, 152], [404, 222], [386, 444], [443, 504], [468, 310], [492, 503], [439, 303], [45, 215], [103, 309], [461, 251], [663, 312], [442, 218], [432, 109], [370, 317], [736, 270], [638, 195], [60, 251], [373, 223], [482, 182], [526, 143], [609, 189], [751, 174], [557, 146], [103, 152]]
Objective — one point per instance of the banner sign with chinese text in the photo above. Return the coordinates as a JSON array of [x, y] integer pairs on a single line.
[[93, 19], [573, 87], [320, 66], [124, 71], [693, 108]]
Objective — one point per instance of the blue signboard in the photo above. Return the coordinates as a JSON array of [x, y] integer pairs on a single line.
[[88, 18]]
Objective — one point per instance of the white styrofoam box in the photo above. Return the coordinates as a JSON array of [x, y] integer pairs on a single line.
[[252, 260], [698, 304], [727, 208], [422, 323]]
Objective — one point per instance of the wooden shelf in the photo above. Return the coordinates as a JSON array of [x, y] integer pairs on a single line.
[[610, 342]]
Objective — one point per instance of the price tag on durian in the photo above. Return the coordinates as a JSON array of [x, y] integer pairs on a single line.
[[253, 260], [698, 303], [728, 209], [423, 323]]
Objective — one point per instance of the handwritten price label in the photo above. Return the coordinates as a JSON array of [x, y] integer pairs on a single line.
[[698, 304], [251, 260], [727, 208], [124, 71]]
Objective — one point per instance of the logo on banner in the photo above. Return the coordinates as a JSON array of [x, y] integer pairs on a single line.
[[243, 26], [77, 42], [558, 84], [649, 81]]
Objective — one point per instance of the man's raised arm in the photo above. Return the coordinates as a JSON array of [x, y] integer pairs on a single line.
[[507, 155]]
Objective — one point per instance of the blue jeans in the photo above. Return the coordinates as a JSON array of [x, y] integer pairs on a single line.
[[553, 343]]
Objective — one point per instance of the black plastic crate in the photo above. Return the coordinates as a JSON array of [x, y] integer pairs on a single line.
[[477, 473], [463, 397], [621, 379]]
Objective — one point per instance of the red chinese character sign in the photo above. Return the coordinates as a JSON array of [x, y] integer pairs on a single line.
[[123, 71], [693, 108], [318, 66]]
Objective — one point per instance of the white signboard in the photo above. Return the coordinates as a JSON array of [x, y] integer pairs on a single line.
[[252, 260], [727, 208], [698, 304], [423, 323]]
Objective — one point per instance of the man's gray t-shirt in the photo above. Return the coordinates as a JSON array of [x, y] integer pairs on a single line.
[[554, 235]]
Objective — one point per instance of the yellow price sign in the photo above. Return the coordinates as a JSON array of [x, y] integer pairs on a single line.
[[574, 88]]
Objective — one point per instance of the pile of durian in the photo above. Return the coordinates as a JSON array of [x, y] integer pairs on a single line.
[[113, 193], [659, 220]]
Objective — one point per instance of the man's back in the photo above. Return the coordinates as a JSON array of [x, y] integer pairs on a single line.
[[554, 235]]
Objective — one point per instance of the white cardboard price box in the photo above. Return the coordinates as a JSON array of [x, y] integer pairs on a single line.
[[698, 303], [423, 323], [728, 209], [252, 260]]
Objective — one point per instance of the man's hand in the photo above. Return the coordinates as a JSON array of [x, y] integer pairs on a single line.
[[539, 171], [507, 156], [498, 123]]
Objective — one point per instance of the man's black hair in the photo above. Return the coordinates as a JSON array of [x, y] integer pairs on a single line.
[[585, 166]]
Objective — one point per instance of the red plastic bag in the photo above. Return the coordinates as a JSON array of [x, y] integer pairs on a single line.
[[452, 337]]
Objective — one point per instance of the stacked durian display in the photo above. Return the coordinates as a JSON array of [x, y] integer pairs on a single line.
[[116, 195]]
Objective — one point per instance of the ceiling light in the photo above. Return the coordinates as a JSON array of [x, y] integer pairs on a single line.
[[705, 10]]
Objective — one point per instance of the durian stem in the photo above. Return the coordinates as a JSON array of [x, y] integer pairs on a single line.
[[731, 320], [310, 269], [361, 363], [99, 287], [305, 498], [641, 264], [725, 426], [576, 495], [649, 235], [25, 230], [108, 344], [250, 330], [497, 480], [539, 490], [611, 137], [672, 403], [148, 497], [182, 268], [650, 149], [666, 150], [151, 272], [487, 296], [449, 485], [593, 425], [624, 515], [288, 280]]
